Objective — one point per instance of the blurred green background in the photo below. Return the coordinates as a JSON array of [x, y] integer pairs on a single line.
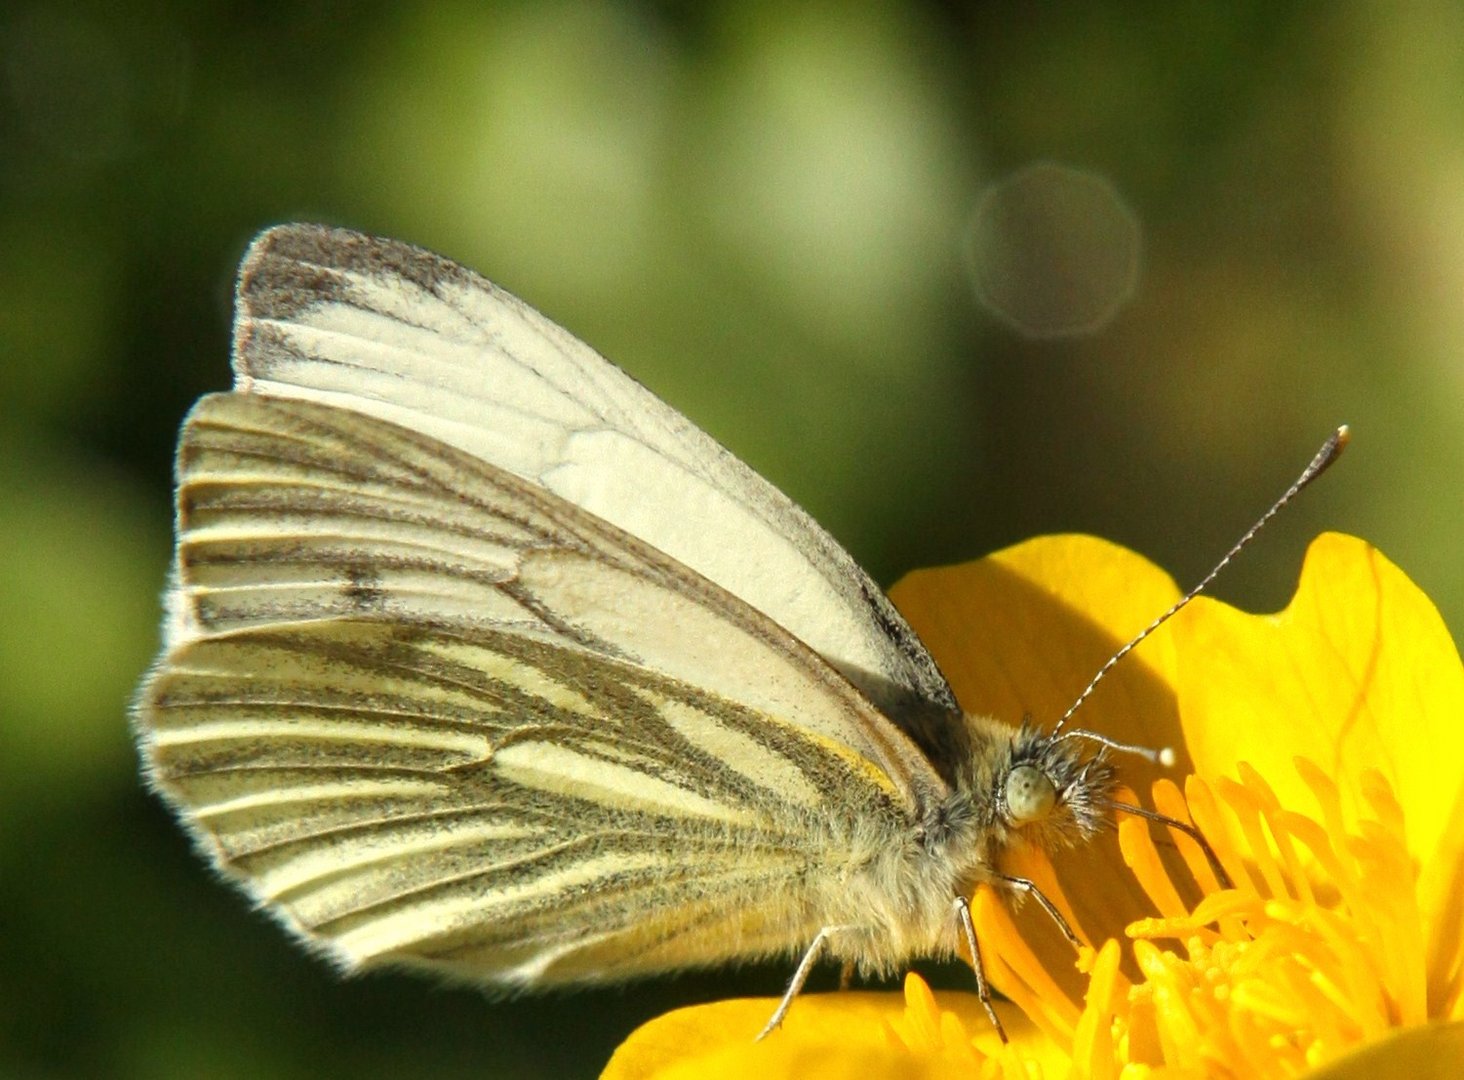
[[950, 274]]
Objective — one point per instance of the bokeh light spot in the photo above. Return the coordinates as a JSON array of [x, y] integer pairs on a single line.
[[1053, 251]]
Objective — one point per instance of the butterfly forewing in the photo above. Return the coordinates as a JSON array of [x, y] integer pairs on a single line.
[[386, 329], [435, 715]]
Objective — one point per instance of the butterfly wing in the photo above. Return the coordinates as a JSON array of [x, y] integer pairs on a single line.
[[393, 331], [432, 714]]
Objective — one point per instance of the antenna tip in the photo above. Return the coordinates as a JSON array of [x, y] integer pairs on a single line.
[[1331, 450], [1167, 757]]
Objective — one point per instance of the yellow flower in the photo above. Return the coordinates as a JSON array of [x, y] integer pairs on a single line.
[[1320, 751]]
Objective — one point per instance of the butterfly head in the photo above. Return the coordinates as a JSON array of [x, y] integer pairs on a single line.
[[1050, 791]]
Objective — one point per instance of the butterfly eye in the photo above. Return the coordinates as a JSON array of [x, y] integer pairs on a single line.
[[1030, 794]]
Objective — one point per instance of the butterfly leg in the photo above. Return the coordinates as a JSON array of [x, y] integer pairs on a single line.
[[800, 976], [983, 989], [846, 975], [1029, 888]]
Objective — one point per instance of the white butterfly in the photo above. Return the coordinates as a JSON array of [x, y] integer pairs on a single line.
[[483, 659]]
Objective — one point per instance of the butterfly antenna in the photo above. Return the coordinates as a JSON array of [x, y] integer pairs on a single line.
[[1216, 866], [1330, 451]]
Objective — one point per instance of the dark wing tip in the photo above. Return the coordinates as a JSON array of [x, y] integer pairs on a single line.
[[290, 270], [288, 266]]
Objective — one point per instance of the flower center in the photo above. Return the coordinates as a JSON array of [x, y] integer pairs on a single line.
[[1316, 949]]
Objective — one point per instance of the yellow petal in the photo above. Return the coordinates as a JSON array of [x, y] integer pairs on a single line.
[[1357, 673], [717, 1039], [1022, 631], [857, 1034]]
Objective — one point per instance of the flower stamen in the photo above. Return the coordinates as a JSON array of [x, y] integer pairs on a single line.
[[1316, 950]]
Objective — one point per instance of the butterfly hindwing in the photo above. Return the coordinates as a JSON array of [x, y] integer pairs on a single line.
[[495, 808]]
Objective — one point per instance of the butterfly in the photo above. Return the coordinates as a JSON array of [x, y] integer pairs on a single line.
[[482, 660]]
